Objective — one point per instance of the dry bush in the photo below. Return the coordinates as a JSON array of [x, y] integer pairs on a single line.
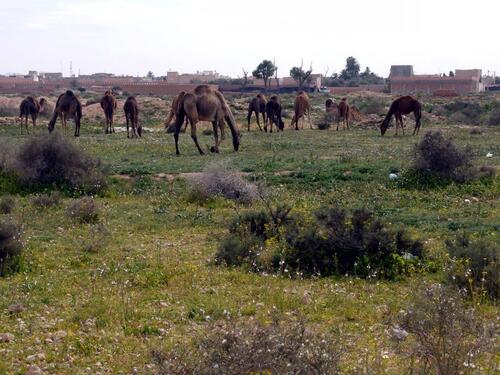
[[218, 180], [46, 200], [7, 204], [10, 247], [253, 348], [8, 110], [7, 156], [53, 161], [445, 337], [83, 210], [98, 238], [494, 117]]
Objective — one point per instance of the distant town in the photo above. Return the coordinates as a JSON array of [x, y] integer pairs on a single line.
[[402, 80]]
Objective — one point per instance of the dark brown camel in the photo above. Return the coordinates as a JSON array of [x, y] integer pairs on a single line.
[[67, 106], [343, 111], [302, 108], [403, 106], [273, 112], [205, 104], [131, 110], [30, 106], [108, 105], [257, 105]]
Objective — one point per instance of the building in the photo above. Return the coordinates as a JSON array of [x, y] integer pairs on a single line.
[[205, 76], [464, 81]]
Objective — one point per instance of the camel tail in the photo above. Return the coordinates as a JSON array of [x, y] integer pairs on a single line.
[[79, 110], [230, 121], [52, 122]]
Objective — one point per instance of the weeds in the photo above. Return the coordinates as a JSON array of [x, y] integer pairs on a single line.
[[7, 204], [10, 247], [83, 210]]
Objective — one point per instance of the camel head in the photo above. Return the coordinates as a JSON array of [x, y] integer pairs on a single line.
[[384, 124], [42, 103]]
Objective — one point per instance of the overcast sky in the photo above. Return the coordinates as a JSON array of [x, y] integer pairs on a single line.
[[133, 37]]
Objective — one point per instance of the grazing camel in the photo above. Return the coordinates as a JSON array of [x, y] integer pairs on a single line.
[[108, 105], [302, 108], [403, 106], [330, 105], [257, 105], [273, 112], [171, 113], [30, 106], [205, 104], [343, 111], [67, 106], [132, 117]]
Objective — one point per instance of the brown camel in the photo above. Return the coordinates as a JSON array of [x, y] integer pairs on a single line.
[[67, 106], [403, 106], [257, 105], [131, 110], [205, 104], [273, 112], [171, 113], [108, 105], [30, 106], [343, 111], [302, 108]]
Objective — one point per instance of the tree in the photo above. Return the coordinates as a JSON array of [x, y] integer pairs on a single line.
[[245, 80], [351, 70], [301, 75], [264, 71], [451, 74], [150, 75]]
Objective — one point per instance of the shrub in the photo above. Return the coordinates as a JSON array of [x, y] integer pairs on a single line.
[[476, 131], [438, 161], [98, 238], [7, 204], [10, 247], [46, 200], [445, 337], [466, 112], [217, 180], [475, 266], [333, 243], [494, 117], [83, 210], [253, 348], [327, 121], [53, 161]]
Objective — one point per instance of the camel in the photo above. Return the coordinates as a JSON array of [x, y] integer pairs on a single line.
[[273, 112], [171, 113], [67, 106], [30, 106], [343, 111], [402, 106], [132, 117], [257, 105], [108, 105], [205, 104], [302, 108]]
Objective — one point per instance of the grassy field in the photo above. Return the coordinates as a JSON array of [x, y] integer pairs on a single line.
[[152, 283]]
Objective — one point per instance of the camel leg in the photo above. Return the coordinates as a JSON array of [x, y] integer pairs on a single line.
[[33, 118], [128, 133], [176, 138], [215, 125], [309, 119], [249, 116], [77, 125], [194, 137], [112, 126], [402, 123], [258, 122], [186, 124], [26, 124]]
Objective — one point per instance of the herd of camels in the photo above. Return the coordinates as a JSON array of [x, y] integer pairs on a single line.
[[208, 104]]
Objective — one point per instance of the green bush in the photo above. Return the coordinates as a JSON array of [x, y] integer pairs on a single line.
[[10, 248], [83, 210], [475, 266], [46, 200], [332, 243]]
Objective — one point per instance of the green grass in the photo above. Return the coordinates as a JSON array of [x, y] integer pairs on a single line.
[[153, 284]]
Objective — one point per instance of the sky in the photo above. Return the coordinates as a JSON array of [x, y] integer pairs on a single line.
[[134, 37]]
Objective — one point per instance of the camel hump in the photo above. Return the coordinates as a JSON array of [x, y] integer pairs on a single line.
[[202, 89], [69, 93]]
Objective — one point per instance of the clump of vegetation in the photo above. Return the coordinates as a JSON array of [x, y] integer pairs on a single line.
[[46, 200], [331, 243], [326, 122], [254, 348], [439, 161], [10, 248], [464, 112], [370, 105], [218, 180], [475, 266], [445, 337], [494, 116], [83, 210], [7, 204], [98, 238], [52, 161]]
